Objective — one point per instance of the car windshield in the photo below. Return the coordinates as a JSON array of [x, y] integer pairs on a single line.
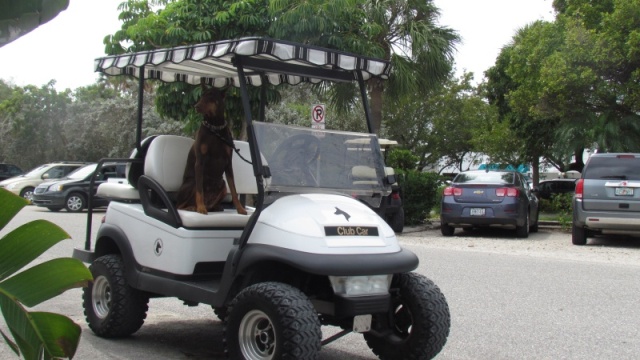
[[309, 160], [35, 171], [485, 177], [82, 172]]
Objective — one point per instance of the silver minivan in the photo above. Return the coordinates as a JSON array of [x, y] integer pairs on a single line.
[[607, 196]]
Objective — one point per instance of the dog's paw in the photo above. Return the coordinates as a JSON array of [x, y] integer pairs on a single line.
[[242, 211], [202, 210]]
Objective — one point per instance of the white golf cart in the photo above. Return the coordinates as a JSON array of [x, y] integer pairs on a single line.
[[309, 253]]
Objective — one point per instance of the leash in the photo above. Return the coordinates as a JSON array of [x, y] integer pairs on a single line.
[[214, 130]]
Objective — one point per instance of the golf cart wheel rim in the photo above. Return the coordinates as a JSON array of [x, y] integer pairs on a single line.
[[74, 203], [403, 321], [256, 336], [101, 297]]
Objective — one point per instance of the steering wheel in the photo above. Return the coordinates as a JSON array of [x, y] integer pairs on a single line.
[[292, 161]]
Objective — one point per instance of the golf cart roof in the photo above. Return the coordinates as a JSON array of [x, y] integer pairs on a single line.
[[263, 60]]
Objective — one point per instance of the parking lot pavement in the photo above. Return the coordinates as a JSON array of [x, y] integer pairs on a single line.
[[550, 241]]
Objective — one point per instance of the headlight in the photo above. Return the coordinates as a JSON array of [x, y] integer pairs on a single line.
[[55, 188], [361, 285]]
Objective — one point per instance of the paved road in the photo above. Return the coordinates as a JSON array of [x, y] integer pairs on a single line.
[[535, 298]]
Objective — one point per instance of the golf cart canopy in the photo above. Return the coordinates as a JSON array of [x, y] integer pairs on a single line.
[[264, 61]]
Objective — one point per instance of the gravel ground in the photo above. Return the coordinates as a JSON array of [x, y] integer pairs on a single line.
[[550, 242]]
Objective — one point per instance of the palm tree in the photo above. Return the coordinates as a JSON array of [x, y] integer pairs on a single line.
[[404, 32]]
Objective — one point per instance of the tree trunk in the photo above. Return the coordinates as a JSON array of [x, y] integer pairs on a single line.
[[535, 170]]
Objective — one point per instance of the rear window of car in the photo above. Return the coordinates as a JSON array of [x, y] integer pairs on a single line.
[[485, 178], [623, 167]]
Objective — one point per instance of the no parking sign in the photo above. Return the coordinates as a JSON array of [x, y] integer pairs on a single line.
[[317, 116]]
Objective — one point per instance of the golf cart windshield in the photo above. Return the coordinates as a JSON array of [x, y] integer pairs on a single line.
[[310, 160]]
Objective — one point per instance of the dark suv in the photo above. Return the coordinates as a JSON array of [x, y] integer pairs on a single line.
[[607, 197], [546, 189], [9, 171], [72, 192]]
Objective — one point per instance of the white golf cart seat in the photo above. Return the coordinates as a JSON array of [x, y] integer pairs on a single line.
[[365, 175], [164, 166], [128, 191]]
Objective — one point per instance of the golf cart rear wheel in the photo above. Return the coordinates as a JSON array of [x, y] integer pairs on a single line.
[[396, 221], [112, 308], [272, 321], [419, 321]]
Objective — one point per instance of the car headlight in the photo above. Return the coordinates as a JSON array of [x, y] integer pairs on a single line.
[[361, 285], [55, 188]]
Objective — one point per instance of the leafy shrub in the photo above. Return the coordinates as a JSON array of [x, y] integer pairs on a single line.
[[37, 335], [400, 159], [419, 194], [561, 206]]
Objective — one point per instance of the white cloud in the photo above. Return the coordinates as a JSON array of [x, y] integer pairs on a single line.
[[486, 26]]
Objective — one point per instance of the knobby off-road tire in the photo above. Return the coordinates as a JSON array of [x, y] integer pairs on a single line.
[[578, 235], [113, 308], [420, 321], [272, 321]]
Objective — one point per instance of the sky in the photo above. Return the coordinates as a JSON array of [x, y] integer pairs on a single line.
[[64, 48]]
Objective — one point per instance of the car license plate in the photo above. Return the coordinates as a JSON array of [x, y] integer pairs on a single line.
[[624, 191], [477, 211]]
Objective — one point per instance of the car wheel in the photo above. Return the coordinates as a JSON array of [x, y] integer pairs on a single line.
[[523, 231], [54, 209], [75, 202], [111, 306], [272, 321], [418, 323], [27, 193], [446, 229], [534, 228], [578, 235], [396, 221]]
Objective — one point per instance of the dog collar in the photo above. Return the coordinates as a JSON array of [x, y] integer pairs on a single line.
[[214, 127]]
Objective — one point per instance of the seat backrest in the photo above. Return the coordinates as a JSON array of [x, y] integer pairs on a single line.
[[243, 171], [165, 160], [167, 156]]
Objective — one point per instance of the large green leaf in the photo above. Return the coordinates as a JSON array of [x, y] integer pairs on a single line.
[[26, 243], [59, 334], [21, 326], [37, 335], [47, 280], [11, 205]]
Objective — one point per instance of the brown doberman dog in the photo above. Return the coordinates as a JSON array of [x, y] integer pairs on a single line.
[[203, 188]]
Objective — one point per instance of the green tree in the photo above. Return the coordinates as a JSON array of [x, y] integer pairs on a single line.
[[439, 127], [514, 87], [597, 72], [34, 118]]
